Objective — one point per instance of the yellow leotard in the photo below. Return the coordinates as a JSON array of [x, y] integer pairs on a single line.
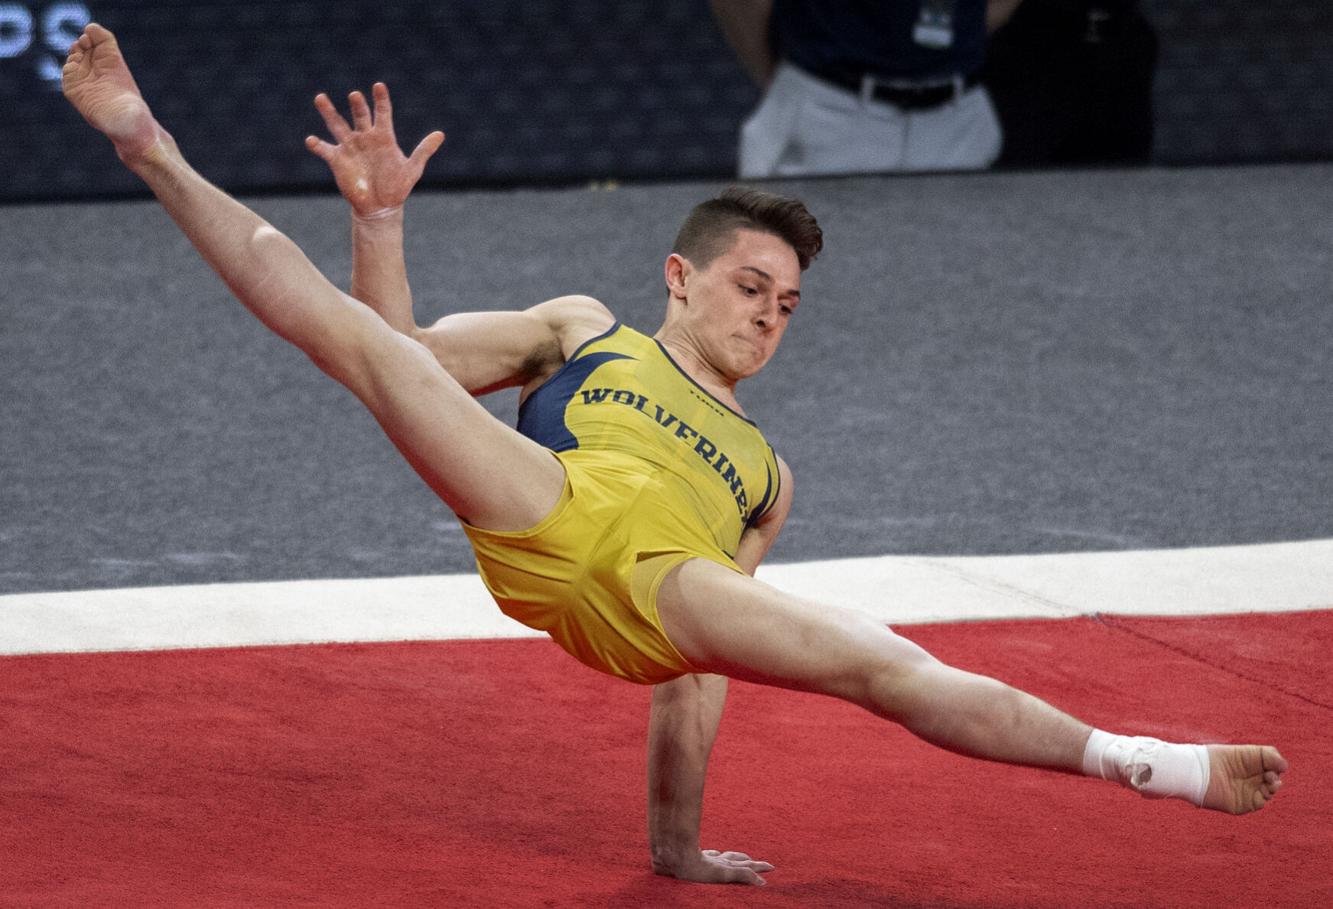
[[657, 471]]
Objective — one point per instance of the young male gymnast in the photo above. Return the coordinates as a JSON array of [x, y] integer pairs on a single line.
[[628, 513]]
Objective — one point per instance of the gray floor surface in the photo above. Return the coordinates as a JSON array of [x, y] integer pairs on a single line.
[[998, 363]]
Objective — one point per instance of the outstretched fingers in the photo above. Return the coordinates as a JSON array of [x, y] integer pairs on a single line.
[[425, 148], [709, 866], [364, 116], [322, 149], [383, 107], [361, 119], [337, 126], [737, 867], [370, 168], [739, 859]]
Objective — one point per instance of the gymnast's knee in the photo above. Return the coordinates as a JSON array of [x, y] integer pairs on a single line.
[[886, 673]]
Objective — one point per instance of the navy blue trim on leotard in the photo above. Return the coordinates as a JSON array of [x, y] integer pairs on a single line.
[[541, 416], [769, 498]]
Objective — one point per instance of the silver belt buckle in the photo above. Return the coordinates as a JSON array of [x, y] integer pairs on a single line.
[[869, 82]]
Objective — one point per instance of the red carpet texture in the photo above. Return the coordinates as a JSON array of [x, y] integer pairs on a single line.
[[499, 774]]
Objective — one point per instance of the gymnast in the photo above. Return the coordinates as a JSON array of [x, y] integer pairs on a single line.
[[627, 514]]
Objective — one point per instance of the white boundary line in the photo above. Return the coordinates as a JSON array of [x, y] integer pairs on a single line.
[[897, 589]]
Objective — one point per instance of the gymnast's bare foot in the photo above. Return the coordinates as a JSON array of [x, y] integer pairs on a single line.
[[97, 82], [1243, 777]]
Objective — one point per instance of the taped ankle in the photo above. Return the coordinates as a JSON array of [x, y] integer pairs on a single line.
[[1152, 768]]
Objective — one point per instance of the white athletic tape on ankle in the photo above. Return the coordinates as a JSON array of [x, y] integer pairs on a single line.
[[1153, 768]]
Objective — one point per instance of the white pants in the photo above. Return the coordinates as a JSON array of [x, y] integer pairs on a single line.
[[805, 126]]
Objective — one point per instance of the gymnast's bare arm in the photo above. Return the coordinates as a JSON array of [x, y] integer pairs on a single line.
[[681, 730], [483, 351], [487, 351], [375, 178]]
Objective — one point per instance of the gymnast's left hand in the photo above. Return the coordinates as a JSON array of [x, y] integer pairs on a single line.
[[370, 169], [709, 866]]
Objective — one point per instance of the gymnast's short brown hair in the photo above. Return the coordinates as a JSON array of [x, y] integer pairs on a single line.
[[707, 231]]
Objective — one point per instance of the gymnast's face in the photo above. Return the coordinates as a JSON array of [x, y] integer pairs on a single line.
[[738, 307]]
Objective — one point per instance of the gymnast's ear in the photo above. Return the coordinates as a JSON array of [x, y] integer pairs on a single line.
[[679, 272]]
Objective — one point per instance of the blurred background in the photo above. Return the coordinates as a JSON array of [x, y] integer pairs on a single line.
[[547, 93]]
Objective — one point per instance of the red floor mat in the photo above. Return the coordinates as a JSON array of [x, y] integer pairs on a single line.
[[503, 774]]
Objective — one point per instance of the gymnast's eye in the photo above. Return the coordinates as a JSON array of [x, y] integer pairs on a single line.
[[748, 290]]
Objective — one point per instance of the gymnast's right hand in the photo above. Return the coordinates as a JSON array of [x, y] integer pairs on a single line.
[[371, 170], [710, 866]]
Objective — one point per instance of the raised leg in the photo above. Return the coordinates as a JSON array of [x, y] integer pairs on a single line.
[[772, 638], [482, 469]]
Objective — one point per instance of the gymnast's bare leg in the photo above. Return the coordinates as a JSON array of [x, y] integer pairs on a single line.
[[486, 472], [773, 638]]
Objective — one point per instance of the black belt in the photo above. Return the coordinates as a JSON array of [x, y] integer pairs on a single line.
[[907, 97]]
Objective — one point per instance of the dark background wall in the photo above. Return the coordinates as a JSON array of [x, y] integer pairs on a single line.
[[1244, 81], [559, 92]]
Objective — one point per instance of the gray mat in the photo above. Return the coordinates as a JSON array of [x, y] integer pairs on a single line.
[[998, 363]]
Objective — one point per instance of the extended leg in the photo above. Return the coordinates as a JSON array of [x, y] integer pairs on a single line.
[[769, 637], [482, 469]]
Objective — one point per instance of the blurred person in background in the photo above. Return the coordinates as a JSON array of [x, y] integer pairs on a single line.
[[861, 86], [1072, 83]]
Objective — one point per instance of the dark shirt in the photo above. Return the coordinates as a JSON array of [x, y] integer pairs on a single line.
[[852, 37]]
